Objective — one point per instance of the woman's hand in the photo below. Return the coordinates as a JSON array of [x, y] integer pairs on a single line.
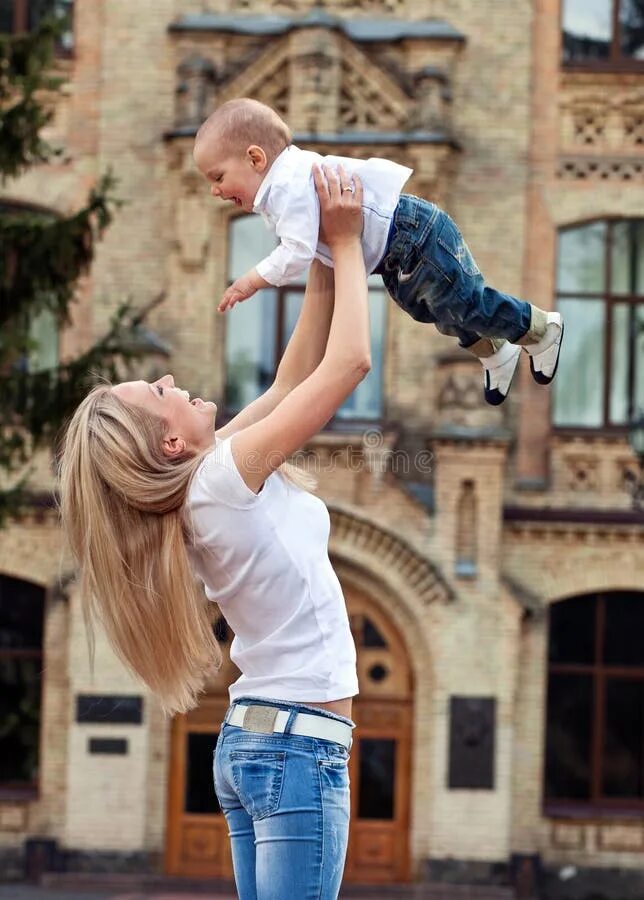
[[340, 205]]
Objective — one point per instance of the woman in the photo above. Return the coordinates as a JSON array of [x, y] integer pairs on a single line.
[[150, 498]]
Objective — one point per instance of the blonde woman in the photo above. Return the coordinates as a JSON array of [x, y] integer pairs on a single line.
[[150, 496]]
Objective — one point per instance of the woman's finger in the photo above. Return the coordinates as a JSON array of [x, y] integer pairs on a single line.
[[357, 189], [333, 182], [321, 184]]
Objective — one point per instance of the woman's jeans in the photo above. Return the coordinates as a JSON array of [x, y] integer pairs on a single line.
[[430, 272], [286, 801]]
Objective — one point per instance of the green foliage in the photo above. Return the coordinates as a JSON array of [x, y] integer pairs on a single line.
[[42, 257]]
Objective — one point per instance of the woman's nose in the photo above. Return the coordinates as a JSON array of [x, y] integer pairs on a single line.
[[215, 190], [168, 379]]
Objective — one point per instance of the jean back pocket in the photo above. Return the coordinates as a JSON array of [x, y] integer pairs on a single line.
[[258, 776]]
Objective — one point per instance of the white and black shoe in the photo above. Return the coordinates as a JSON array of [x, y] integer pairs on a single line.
[[544, 356], [499, 371]]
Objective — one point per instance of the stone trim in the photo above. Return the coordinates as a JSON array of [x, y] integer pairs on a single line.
[[422, 579], [359, 30]]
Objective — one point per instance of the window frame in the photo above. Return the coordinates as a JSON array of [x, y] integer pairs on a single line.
[[21, 26], [609, 300], [600, 673], [336, 423], [616, 61], [27, 790]]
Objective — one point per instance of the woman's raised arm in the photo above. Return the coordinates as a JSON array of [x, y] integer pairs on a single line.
[[303, 353], [261, 448]]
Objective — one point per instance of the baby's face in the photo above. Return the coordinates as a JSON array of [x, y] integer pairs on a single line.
[[231, 177]]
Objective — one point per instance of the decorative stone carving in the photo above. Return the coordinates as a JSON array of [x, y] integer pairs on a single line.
[[604, 169], [582, 473], [192, 221], [369, 99], [195, 91], [460, 400], [433, 96]]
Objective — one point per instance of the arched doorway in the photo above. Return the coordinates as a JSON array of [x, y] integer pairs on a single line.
[[197, 842], [380, 763]]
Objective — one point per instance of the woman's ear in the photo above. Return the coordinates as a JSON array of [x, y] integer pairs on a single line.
[[257, 157], [173, 446]]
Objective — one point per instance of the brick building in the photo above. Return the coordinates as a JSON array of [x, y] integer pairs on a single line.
[[492, 561]]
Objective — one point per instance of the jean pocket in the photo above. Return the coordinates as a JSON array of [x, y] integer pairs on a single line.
[[334, 755], [258, 777], [451, 240]]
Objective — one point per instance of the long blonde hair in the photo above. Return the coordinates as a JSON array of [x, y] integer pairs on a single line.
[[122, 509], [121, 503]]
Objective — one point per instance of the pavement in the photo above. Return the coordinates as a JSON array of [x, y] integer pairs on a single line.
[[219, 891]]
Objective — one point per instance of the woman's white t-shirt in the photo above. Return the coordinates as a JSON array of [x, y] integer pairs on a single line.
[[264, 559]]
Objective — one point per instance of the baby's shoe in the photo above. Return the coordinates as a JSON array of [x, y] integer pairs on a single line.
[[544, 356], [499, 370]]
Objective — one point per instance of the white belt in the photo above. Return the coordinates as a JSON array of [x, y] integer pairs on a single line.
[[271, 720]]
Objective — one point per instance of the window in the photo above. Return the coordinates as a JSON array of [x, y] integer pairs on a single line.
[[595, 712], [603, 33], [600, 292], [258, 330], [43, 333], [21, 664], [25, 15]]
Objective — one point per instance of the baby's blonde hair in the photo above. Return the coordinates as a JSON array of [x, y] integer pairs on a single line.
[[238, 124]]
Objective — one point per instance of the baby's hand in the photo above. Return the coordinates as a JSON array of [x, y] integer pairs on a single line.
[[241, 289]]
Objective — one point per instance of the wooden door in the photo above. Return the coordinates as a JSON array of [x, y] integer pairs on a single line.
[[381, 754], [197, 842]]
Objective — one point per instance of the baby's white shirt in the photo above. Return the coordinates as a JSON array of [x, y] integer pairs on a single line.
[[288, 203]]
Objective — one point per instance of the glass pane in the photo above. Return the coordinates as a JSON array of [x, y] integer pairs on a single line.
[[371, 637], [624, 629], [6, 16], [568, 740], [631, 17], [620, 356], [572, 630], [579, 386], [627, 257], [376, 788], [627, 346], [366, 401], [250, 349], [200, 792], [19, 719], [22, 607], [638, 399], [587, 29], [250, 241], [623, 758], [581, 259], [44, 334], [292, 307]]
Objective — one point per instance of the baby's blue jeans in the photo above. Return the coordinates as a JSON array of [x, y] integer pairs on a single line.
[[286, 802], [430, 272]]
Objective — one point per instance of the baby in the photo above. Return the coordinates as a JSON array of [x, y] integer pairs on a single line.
[[244, 149]]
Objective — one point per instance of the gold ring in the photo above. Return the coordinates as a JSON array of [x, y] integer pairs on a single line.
[[347, 187]]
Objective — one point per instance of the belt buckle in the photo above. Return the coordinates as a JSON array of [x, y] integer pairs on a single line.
[[260, 719]]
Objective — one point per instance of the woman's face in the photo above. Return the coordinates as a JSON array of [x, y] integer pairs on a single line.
[[190, 424]]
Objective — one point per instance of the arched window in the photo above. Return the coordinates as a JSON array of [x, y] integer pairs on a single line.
[[258, 330], [603, 33], [21, 633], [25, 15], [595, 707], [600, 292]]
